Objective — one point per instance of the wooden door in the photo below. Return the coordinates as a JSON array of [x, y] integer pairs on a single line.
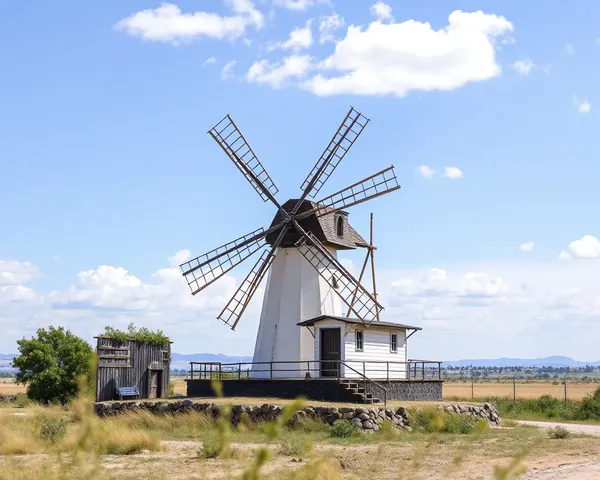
[[154, 386], [330, 350]]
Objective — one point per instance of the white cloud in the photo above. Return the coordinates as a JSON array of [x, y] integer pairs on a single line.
[[587, 247], [527, 247], [381, 10], [169, 24], [582, 105], [209, 61], [523, 67], [299, 5], [14, 273], [275, 75], [396, 58], [328, 25], [485, 310], [452, 173], [227, 71], [300, 38], [426, 171], [568, 50]]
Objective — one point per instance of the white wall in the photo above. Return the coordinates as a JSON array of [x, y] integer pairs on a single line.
[[295, 292], [376, 351]]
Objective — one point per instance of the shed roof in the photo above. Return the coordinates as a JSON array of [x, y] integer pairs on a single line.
[[323, 227], [356, 321]]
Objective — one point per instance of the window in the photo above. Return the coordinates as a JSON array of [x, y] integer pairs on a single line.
[[359, 340], [394, 342], [340, 226]]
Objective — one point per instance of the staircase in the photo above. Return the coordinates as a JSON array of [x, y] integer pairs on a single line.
[[355, 392]]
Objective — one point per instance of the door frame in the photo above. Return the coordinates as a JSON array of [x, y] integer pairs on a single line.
[[341, 351]]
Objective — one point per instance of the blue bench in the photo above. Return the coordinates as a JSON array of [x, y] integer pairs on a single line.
[[128, 392]]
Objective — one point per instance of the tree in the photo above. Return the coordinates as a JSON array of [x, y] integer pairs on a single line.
[[51, 363]]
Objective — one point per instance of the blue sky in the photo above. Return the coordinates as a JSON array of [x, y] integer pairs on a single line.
[[105, 164]]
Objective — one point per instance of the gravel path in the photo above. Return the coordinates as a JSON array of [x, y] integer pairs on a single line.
[[571, 427]]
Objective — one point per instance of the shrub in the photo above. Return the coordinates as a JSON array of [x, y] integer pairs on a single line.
[[342, 429], [212, 445], [53, 430], [558, 432], [292, 445], [171, 389]]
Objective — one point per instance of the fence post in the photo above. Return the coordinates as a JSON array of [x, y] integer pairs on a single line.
[[239, 371], [220, 371], [423, 370], [388, 371], [271, 369], [191, 371], [565, 384]]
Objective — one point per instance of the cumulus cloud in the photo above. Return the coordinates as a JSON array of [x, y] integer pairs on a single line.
[[587, 247], [299, 5], [328, 25], [426, 171], [527, 247], [523, 67], [16, 273], [381, 10], [276, 75], [209, 61], [169, 24], [396, 58], [300, 38], [452, 173], [581, 104]]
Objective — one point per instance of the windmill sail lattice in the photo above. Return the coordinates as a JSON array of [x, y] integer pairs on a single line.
[[206, 269]]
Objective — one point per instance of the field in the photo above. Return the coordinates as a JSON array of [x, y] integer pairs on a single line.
[[183, 447], [452, 390]]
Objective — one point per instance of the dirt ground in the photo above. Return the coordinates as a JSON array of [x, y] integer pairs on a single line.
[[435, 459]]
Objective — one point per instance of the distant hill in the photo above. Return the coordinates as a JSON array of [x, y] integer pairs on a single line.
[[554, 361], [5, 362]]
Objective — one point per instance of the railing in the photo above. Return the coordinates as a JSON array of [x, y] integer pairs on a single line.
[[371, 382], [325, 369]]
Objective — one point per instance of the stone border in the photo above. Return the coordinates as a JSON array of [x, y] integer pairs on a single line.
[[363, 418]]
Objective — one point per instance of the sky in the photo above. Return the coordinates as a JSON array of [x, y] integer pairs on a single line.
[[487, 110]]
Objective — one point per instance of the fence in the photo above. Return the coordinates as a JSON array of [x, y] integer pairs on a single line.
[[411, 370]]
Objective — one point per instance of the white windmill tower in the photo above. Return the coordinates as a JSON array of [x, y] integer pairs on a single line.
[[299, 250]]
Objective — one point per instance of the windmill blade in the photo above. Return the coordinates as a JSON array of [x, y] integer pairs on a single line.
[[230, 139], [201, 271], [345, 136], [235, 308], [362, 304], [371, 187]]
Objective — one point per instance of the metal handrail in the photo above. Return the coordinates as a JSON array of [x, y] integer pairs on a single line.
[[365, 379], [216, 369]]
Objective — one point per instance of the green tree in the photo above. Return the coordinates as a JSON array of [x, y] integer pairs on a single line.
[[50, 364]]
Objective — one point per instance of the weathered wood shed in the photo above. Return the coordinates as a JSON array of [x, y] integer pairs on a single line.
[[132, 364]]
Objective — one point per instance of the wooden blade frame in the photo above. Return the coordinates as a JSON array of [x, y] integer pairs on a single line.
[[364, 306], [230, 139], [235, 308], [206, 269], [345, 136], [371, 187]]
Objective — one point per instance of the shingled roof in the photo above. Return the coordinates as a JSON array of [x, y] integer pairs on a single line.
[[322, 227]]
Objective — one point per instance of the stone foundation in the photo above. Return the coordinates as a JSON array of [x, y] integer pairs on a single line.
[[363, 418]]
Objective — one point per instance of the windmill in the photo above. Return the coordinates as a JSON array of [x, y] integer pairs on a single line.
[[299, 248]]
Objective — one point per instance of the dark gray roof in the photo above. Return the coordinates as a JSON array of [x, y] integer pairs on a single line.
[[322, 227], [356, 321]]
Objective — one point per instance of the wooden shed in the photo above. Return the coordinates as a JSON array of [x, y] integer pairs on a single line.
[[132, 363]]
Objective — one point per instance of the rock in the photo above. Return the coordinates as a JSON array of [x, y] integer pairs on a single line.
[[363, 416], [367, 425]]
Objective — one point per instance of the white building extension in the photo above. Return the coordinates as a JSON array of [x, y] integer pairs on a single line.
[[377, 351]]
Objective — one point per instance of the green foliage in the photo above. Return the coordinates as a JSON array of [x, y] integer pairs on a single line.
[[549, 407], [142, 334], [51, 363], [53, 429], [558, 432], [342, 429], [437, 421], [212, 445], [171, 389], [294, 445]]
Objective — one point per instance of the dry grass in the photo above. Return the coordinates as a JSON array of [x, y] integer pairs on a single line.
[[8, 386], [575, 391]]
